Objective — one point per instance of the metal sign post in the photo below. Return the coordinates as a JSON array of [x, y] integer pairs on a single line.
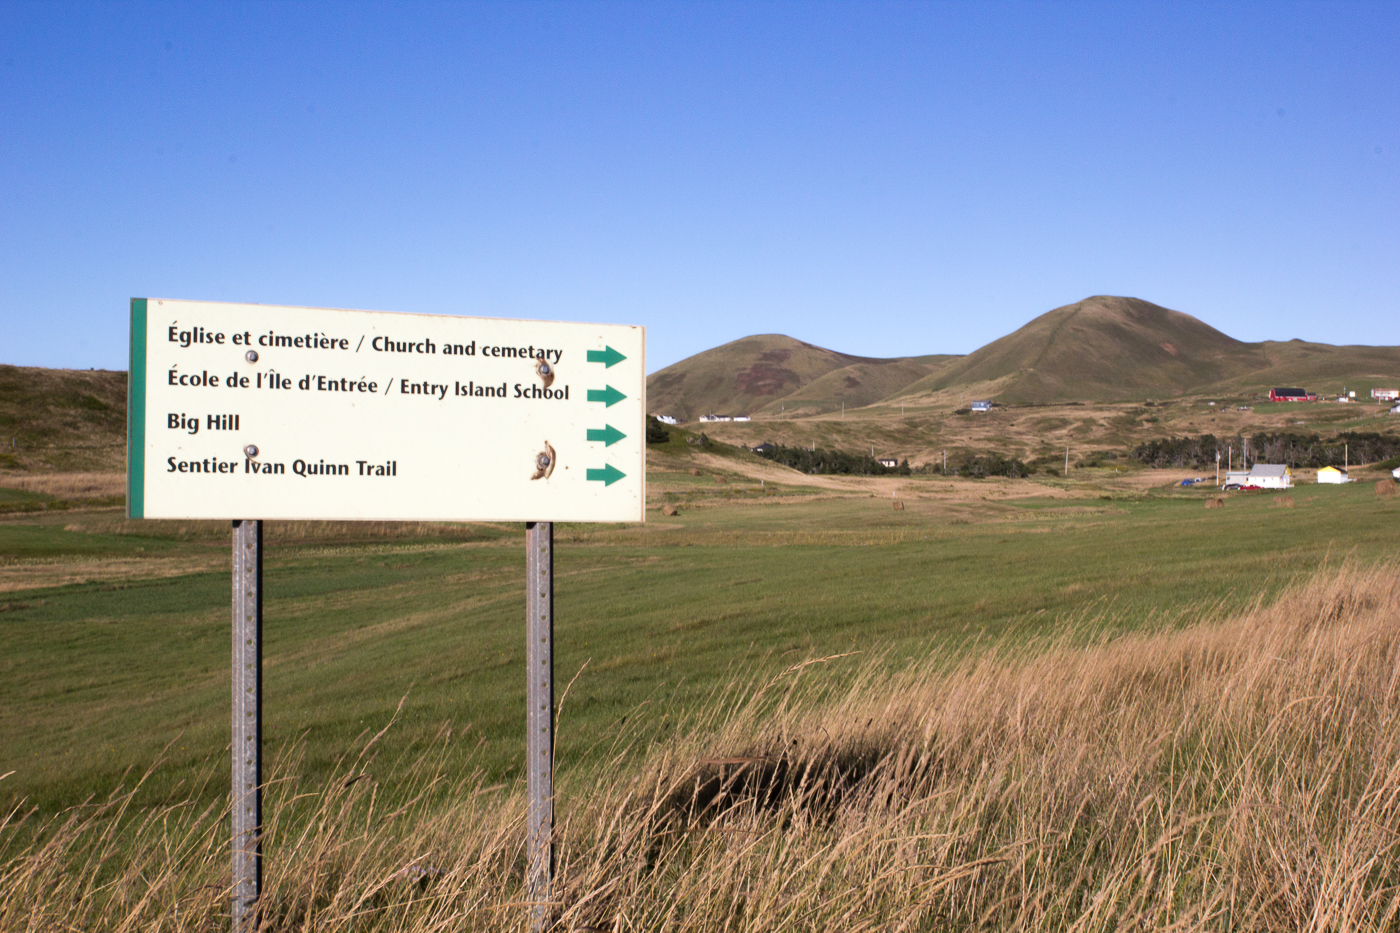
[[247, 724], [539, 720]]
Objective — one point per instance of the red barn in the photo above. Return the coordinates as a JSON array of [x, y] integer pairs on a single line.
[[1291, 395]]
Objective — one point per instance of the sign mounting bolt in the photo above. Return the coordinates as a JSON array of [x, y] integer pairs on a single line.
[[251, 451], [251, 356]]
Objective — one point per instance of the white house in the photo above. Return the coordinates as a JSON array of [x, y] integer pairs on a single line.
[[710, 418], [1260, 476], [888, 462], [1270, 476], [1330, 474], [982, 405], [667, 419], [741, 417], [1385, 395]]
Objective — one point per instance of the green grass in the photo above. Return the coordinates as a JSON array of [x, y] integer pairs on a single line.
[[21, 496], [99, 677]]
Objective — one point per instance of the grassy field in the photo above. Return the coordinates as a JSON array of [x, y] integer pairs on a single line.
[[116, 633], [1064, 702], [1228, 772]]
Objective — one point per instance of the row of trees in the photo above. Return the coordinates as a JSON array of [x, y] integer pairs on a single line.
[[1296, 450], [978, 466], [818, 460]]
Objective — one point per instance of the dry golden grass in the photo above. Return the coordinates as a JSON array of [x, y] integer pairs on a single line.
[[1235, 774], [68, 485], [68, 569]]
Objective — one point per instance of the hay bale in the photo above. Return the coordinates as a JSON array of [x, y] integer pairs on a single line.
[[1285, 501], [1217, 503], [898, 506], [1385, 487], [669, 509]]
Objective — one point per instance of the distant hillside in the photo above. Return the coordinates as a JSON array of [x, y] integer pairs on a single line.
[[1318, 367], [62, 419], [753, 373], [1117, 349], [857, 385], [1103, 349]]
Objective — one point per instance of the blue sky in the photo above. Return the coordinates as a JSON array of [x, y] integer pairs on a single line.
[[880, 178]]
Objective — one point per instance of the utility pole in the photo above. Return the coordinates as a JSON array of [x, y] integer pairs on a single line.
[[1067, 460]]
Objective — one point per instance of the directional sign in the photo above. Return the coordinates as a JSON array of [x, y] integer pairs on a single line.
[[607, 356], [609, 396], [256, 411], [607, 475], [609, 435]]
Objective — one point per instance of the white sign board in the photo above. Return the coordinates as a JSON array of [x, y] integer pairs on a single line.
[[263, 412]]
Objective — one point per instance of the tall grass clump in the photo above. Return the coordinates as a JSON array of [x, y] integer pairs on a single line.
[[1223, 774]]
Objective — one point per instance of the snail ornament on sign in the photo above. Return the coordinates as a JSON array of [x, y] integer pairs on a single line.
[[544, 461], [545, 372]]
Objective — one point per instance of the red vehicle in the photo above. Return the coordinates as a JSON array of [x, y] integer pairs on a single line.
[[1291, 395]]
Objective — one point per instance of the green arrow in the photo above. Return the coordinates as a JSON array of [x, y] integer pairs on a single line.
[[608, 475], [609, 435], [608, 356], [609, 395]]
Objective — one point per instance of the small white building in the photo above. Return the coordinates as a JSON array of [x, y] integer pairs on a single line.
[[667, 419], [1260, 476], [711, 418], [1385, 395], [741, 417], [1330, 474], [982, 405], [1270, 476], [887, 462]]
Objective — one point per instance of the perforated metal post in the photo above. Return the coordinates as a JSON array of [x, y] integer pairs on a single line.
[[247, 723], [539, 695]]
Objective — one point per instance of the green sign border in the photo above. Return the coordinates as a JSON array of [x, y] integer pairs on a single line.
[[136, 414]]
